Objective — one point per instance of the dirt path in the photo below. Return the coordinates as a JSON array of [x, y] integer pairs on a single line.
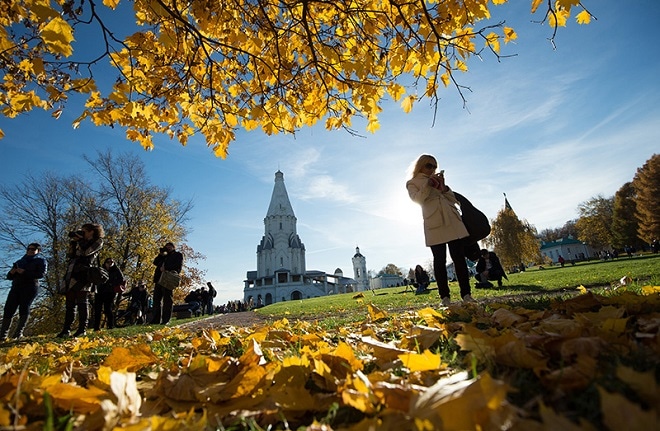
[[242, 319]]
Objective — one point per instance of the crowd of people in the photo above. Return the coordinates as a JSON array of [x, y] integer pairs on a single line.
[[88, 284]]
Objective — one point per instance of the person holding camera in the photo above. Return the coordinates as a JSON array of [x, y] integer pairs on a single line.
[[443, 226], [84, 248], [24, 276], [106, 293], [489, 268], [168, 259]]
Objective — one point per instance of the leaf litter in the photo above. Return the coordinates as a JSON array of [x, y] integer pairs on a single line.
[[586, 363]]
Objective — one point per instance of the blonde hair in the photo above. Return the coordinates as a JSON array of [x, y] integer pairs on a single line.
[[422, 160]]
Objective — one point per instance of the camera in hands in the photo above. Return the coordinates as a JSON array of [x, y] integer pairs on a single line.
[[76, 234]]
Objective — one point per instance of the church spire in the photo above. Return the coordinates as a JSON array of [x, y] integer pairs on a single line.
[[279, 201], [507, 205]]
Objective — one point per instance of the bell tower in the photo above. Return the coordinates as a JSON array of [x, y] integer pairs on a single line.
[[360, 271]]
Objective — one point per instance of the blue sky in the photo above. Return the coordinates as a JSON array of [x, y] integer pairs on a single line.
[[550, 128]]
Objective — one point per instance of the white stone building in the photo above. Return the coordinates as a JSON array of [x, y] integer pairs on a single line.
[[569, 248], [281, 273]]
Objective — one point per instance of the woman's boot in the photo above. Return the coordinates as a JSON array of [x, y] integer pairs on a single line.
[[69, 315], [4, 329], [83, 315], [22, 321]]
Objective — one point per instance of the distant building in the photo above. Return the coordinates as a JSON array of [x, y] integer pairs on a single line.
[[385, 280], [568, 248], [281, 273], [451, 269]]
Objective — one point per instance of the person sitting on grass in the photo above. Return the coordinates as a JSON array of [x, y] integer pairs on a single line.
[[421, 280], [489, 268]]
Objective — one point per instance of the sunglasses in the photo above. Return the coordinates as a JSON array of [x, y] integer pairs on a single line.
[[430, 166], [32, 249]]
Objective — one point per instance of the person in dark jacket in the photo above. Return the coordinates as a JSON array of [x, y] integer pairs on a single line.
[[489, 268], [212, 294], [136, 311], [85, 246], [105, 295], [24, 275], [168, 259], [421, 280], [194, 300]]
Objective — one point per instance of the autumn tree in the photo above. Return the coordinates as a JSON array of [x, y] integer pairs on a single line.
[[553, 234], [213, 67], [513, 240], [647, 187], [391, 269], [595, 222], [624, 218], [137, 217]]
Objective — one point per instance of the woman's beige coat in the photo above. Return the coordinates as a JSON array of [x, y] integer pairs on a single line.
[[442, 220]]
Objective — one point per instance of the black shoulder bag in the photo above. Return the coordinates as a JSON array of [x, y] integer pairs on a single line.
[[477, 225]]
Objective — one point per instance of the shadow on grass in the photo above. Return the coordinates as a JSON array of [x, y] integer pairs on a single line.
[[513, 287]]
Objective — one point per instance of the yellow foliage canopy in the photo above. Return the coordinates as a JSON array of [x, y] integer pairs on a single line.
[[212, 68]]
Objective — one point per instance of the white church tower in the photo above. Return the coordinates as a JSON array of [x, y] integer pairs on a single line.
[[360, 271], [281, 273], [280, 247]]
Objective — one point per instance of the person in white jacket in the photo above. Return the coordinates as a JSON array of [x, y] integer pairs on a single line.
[[443, 226]]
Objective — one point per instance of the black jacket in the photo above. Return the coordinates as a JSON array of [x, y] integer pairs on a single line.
[[173, 262], [496, 266], [35, 268], [115, 278]]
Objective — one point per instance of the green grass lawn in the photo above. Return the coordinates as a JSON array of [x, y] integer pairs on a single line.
[[337, 309]]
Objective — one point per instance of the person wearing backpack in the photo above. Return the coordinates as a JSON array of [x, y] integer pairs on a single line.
[[106, 294], [212, 294]]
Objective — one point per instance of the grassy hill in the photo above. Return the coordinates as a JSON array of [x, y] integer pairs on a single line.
[[533, 288]]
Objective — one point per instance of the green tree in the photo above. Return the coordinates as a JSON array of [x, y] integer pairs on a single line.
[[647, 187], [624, 221], [513, 240], [595, 222], [187, 67]]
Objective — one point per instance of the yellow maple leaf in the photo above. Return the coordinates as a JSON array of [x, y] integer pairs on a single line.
[[396, 91], [112, 4], [509, 34], [57, 36], [80, 400], [131, 359], [642, 383], [425, 361], [559, 18], [536, 4], [407, 103], [620, 413], [376, 313], [583, 17], [373, 125], [650, 290]]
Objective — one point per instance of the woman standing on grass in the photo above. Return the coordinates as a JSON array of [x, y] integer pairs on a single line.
[[84, 246], [443, 226]]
